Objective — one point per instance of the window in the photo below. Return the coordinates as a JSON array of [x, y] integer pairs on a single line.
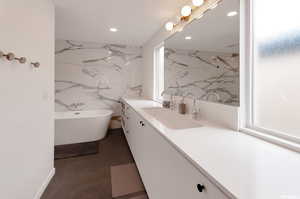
[[158, 72], [273, 79]]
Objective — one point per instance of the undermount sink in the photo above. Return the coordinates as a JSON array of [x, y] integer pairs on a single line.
[[172, 119]]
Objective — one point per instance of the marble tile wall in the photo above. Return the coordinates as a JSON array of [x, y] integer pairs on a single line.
[[92, 76], [209, 76]]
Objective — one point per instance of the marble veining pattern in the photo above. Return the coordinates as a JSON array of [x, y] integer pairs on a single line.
[[208, 76], [94, 76]]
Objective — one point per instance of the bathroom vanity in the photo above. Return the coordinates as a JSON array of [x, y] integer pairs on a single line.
[[166, 173], [204, 160]]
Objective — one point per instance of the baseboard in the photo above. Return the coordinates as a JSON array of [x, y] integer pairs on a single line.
[[40, 192]]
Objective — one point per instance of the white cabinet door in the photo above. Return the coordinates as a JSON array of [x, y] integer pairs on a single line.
[[129, 123], [167, 174], [132, 133]]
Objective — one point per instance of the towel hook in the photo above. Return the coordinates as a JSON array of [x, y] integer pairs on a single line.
[[22, 60], [11, 57], [36, 64]]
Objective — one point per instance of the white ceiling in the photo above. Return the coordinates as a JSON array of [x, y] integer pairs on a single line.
[[90, 20], [213, 32]]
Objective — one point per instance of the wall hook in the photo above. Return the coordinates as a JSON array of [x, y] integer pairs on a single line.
[[22, 60], [36, 64], [10, 56]]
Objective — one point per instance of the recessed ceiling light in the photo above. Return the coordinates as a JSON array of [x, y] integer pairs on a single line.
[[232, 13], [113, 29], [188, 38]]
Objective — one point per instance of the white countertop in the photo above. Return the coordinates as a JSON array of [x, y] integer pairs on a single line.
[[241, 165]]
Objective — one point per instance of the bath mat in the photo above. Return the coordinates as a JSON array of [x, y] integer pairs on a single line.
[[125, 180]]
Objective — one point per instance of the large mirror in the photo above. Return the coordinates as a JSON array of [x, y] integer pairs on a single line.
[[202, 61]]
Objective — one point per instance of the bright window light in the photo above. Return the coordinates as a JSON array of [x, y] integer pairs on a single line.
[[272, 79], [159, 53]]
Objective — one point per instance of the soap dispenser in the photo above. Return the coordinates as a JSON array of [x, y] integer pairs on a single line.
[[182, 107]]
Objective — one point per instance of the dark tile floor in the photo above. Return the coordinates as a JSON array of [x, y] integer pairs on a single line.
[[88, 177]]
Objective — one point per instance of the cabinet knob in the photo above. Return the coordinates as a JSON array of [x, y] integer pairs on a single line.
[[200, 187], [142, 123]]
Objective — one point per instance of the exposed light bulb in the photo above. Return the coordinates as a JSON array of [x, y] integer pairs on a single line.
[[188, 38], [232, 13], [198, 3], [113, 29], [186, 11], [169, 26]]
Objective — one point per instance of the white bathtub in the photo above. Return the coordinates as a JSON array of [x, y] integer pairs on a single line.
[[81, 126]]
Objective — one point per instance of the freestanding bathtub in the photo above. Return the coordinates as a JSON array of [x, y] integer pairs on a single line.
[[81, 126]]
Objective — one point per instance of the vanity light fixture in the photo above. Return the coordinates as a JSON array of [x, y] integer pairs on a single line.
[[169, 26], [232, 13], [188, 38], [198, 3], [186, 11], [113, 30]]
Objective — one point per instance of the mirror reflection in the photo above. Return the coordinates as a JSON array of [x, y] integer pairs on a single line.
[[202, 61]]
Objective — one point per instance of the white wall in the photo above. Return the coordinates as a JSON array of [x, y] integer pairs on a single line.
[[27, 98], [95, 75]]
